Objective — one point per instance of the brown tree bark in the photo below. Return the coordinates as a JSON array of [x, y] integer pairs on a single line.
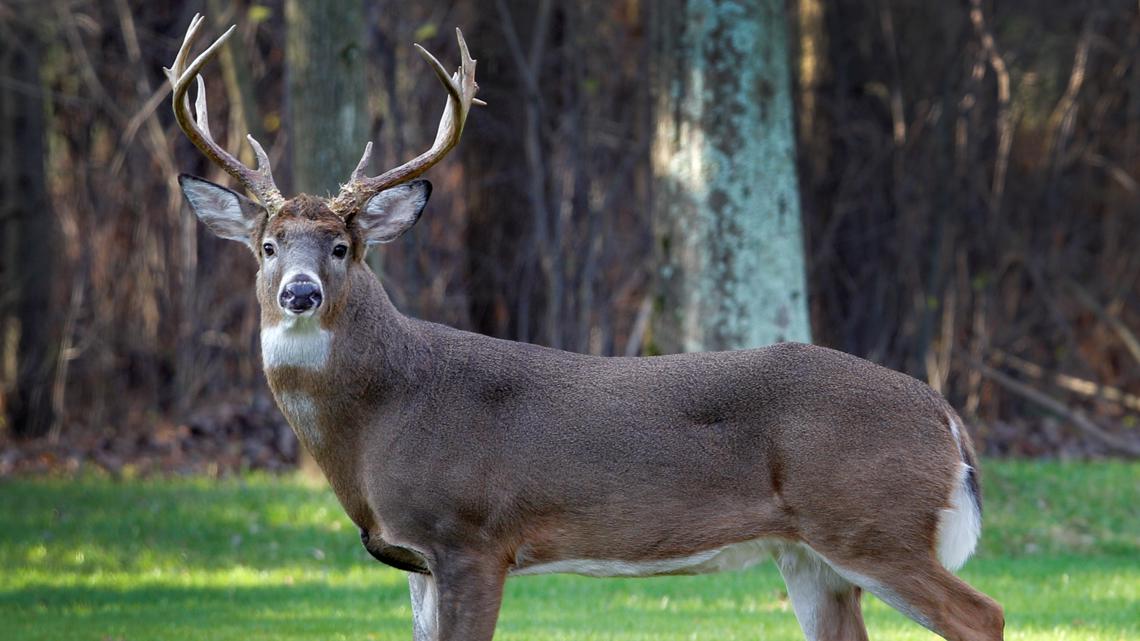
[[726, 199], [325, 50], [30, 340], [503, 269]]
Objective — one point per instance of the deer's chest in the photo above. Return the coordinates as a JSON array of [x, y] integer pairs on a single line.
[[303, 415], [294, 356]]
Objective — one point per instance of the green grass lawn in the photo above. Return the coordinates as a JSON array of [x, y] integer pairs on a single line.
[[274, 558]]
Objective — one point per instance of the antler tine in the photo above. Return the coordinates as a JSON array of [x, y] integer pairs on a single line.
[[466, 63], [187, 43], [461, 88], [197, 128], [262, 160], [448, 79], [201, 113], [362, 166]]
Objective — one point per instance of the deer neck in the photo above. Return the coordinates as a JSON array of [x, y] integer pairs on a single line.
[[332, 378]]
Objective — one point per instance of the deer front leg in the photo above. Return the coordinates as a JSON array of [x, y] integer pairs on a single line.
[[424, 600], [458, 601]]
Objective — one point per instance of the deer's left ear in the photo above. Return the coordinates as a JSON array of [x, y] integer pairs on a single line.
[[392, 212]]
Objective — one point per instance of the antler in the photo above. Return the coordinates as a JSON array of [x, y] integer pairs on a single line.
[[258, 181], [461, 90]]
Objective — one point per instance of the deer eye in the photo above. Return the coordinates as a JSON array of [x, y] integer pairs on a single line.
[[340, 251], [268, 249]]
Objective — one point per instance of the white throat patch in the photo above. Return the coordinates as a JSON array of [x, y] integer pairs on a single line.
[[295, 342]]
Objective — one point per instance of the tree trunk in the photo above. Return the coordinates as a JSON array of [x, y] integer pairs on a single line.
[[726, 200], [325, 50], [504, 265], [29, 342]]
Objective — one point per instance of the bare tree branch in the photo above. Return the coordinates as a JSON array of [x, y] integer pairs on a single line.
[[1076, 417]]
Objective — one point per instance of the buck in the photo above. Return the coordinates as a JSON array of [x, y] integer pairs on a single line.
[[465, 460]]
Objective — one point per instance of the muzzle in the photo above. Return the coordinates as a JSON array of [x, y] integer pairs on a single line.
[[300, 295]]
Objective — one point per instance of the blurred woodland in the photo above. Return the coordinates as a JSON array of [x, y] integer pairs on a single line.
[[968, 178]]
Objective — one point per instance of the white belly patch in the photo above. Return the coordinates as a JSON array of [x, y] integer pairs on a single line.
[[730, 557]]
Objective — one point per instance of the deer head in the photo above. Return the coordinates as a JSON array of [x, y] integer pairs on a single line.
[[306, 245]]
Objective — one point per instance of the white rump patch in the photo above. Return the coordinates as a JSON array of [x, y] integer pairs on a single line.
[[301, 412], [296, 342], [730, 557], [956, 432], [959, 525]]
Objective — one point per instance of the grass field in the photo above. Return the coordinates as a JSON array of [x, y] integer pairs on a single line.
[[274, 558]]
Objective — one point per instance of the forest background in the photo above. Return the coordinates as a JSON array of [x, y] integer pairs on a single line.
[[967, 185]]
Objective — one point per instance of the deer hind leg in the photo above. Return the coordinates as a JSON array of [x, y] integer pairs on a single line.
[[924, 590], [825, 603], [937, 599]]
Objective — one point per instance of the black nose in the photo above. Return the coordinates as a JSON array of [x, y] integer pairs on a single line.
[[301, 296]]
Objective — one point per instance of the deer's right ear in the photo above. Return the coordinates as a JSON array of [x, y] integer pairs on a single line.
[[227, 213]]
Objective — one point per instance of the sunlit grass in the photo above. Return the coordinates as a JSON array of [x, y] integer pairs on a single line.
[[273, 558]]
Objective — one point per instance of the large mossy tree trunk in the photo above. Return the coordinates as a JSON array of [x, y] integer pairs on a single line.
[[29, 325], [726, 200], [325, 55]]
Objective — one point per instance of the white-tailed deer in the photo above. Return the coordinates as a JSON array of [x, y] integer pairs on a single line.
[[466, 459]]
